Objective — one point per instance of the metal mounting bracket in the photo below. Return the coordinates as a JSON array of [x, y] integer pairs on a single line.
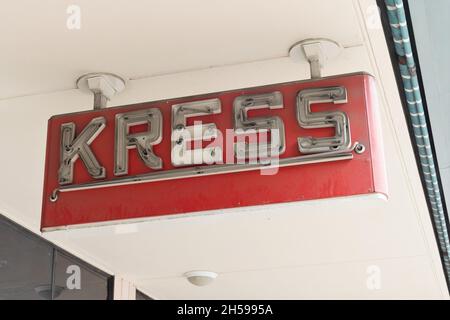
[[102, 85], [317, 51]]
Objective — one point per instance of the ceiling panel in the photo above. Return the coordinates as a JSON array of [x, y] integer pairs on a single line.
[[147, 38], [371, 279]]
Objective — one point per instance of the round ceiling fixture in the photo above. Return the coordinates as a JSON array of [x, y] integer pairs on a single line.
[[200, 278]]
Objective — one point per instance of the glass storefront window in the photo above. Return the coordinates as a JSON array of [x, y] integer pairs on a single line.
[[76, 281], [25, 265], [32, 268]]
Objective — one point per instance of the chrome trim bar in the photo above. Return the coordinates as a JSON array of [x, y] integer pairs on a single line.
[[208, 170]]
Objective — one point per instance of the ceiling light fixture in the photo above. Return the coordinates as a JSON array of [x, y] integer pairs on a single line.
[[200, 278]]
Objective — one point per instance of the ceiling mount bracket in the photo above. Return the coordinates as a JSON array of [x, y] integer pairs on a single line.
[[102, 85], [316, 51]]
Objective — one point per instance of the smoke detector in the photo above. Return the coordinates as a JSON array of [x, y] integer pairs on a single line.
[[200, 278]]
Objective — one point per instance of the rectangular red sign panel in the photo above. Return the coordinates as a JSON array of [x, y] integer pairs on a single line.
[[322, 140]]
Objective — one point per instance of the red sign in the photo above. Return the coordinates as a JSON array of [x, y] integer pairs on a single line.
[[278, 143]]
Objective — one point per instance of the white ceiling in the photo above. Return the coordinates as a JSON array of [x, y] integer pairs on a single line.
[[316, 249], [147, 38]]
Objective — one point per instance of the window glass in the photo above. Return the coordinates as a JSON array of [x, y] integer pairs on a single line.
[[74, 280], [25, 265], [32, 268], [430, 24]]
